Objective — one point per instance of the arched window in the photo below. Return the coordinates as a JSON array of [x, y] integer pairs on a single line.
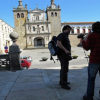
[[78, 31], [55, 13], [52, 14], [83, 30], [72, 31], [89, 30], [22, 15], [33, 28], [42, 28], [18, 15]]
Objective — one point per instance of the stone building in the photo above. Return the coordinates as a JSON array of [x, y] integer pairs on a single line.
[[79, 27], [36, 30], [36, 27], [5, 30]]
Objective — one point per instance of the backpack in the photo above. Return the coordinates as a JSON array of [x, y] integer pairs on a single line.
[[52, 46]]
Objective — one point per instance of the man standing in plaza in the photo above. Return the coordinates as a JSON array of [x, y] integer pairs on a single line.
[[64, 55], [92, 43]]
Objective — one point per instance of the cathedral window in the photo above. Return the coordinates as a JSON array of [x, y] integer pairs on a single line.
[[22, 15], [18, 15], [33, 28], [52, 14], [42, 28], [55, 13], [5, 29], [29, 28], [37, 17]]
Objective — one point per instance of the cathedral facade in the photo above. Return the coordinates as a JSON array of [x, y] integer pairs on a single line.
[[36, 30], [36, 27]]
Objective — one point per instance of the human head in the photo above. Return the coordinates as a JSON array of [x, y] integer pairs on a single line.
[[66, 29], [96, 27]]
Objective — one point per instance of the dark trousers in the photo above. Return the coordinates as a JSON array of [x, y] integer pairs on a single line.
[[64, 69], [92, 72]]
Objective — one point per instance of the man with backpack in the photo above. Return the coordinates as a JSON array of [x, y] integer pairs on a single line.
[[64, 55]]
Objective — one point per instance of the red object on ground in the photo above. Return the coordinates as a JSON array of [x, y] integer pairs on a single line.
[[6, 50], [25, 63]]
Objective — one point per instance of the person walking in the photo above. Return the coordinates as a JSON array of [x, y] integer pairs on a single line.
[[92, 43], [64, 55]]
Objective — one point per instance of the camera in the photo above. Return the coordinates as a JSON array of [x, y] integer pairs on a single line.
[[81, 36]]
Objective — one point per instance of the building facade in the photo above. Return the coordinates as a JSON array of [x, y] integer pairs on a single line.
[[79, 27], [5, 30], [36, 27], [36, 30]]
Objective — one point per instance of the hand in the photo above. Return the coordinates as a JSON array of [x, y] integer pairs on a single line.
[[67, 52]]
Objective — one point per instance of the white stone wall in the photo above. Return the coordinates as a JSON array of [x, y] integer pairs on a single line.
[[5, 30], [80, 27], [41, 29], [37, 13]]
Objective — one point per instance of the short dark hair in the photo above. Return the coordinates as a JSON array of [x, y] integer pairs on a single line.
[[66, 27], [96, 27]]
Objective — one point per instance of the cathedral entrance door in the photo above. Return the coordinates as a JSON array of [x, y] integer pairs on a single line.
[[38, 42]]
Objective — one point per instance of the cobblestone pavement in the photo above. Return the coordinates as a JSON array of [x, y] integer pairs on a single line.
[[40, 82]]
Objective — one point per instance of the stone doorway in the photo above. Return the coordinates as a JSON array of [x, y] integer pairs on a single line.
[[39, 42]]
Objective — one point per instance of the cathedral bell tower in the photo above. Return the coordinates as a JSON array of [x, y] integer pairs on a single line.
[[54, 17], [20, 16]]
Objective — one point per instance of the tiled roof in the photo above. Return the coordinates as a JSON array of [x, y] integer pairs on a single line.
[[74, 23]]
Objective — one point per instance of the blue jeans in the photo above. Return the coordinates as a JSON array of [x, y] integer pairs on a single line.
[[92, 72]]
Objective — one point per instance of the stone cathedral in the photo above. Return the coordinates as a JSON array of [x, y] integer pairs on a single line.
[[36, 27]]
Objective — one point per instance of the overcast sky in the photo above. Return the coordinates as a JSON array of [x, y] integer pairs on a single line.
[[71, 10]]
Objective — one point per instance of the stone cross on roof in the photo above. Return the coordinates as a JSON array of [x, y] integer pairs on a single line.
[[52, 2], [20, 2]]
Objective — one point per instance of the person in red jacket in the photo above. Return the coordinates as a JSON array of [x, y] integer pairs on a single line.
[[92, 43]]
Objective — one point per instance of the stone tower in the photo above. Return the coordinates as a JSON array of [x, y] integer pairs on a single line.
[[53, 16], [20, 17]]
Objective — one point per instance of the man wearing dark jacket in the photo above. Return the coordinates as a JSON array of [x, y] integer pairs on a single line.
[[64, 55], [92, 43]]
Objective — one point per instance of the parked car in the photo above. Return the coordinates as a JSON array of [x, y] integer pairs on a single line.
[[26, 62]]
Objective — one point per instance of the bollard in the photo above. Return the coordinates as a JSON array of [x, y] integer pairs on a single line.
[[14, 53]]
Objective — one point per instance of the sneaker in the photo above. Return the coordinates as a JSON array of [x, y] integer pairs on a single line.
[[86, 98], [66, 87]]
